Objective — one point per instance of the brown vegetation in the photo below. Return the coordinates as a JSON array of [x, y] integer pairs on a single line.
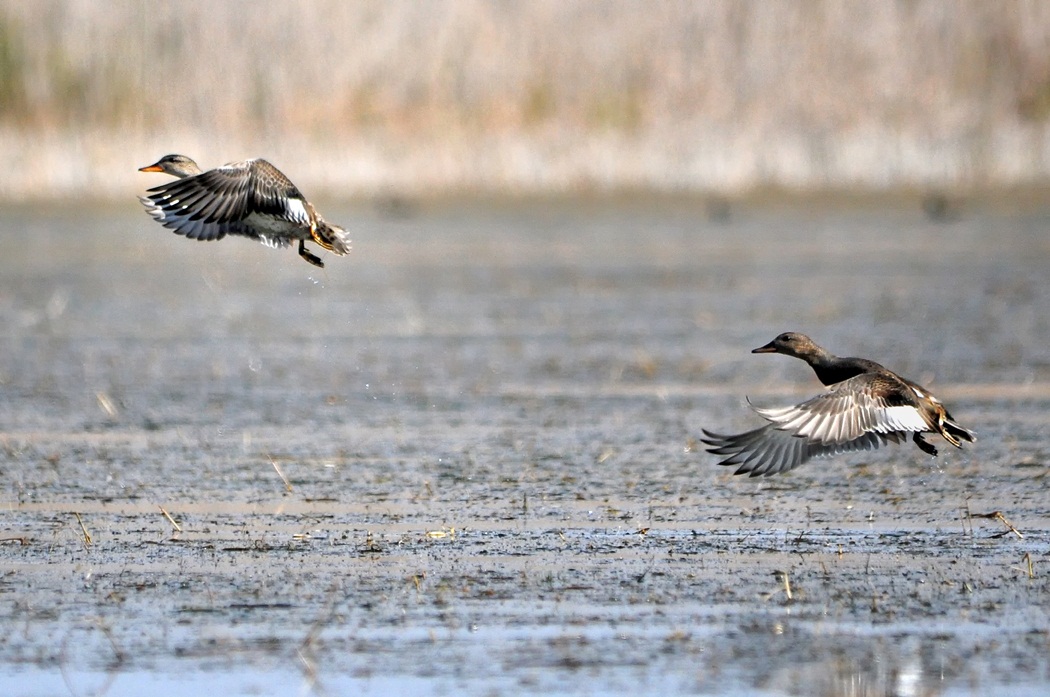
[[541, 96]]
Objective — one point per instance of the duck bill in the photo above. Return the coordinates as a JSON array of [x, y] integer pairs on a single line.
[[155, 167], [768, 348]]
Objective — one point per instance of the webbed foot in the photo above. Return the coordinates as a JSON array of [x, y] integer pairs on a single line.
[[923, 445], [306, 254]]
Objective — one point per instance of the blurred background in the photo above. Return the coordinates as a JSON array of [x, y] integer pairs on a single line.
[[474, 441], [392, 97]]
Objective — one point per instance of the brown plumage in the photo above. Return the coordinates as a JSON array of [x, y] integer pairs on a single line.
[[252, 199], [867, 405]]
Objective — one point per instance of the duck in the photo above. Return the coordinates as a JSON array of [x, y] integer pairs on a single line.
[[865, 406], [252, 199]]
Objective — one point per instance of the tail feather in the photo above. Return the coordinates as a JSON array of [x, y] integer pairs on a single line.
[[332, 237], [955, 434]]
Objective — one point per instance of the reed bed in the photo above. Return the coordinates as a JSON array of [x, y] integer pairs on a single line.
[[376, 97]]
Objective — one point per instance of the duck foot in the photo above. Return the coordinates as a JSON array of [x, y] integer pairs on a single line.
[[305, 254], [923, 445]]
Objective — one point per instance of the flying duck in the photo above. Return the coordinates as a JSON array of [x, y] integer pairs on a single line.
[[251, 198], [865, 406]]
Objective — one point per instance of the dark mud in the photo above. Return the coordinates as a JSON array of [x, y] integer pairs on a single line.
[[462, 460]]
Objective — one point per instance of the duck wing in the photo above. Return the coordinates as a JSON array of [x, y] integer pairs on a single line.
[[861, 413], [226, 201], [766, 451], [866, 403]]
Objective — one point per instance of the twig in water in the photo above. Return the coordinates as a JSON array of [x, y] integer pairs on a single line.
[[782, 576], [178, 528], [998, 515], [1031, 569], [1008, 524], [83, 528], [309, 669], [106, 404], [448, 532], [967, 518], [287, 484], [305, 650]]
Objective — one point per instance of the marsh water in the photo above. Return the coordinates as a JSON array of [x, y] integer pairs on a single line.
[[463, 460]]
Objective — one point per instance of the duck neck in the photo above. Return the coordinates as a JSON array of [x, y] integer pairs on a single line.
[[832, 369], [829, 368]]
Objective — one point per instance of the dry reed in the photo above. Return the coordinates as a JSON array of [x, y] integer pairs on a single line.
[[362, 98]]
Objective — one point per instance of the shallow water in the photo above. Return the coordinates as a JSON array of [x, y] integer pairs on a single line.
[[462, 460]]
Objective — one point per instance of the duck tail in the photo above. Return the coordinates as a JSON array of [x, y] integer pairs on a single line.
[[955, 434], [331, 237]]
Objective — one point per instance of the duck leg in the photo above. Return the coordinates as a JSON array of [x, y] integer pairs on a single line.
[[312, 258], [923, 445]]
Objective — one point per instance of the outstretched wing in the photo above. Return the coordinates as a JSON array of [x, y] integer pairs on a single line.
[[222, 202], [766, 451], [861, 413], [867, 403]]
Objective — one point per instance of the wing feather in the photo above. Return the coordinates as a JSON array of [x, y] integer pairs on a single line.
[[252, 199], [846, 412], [768, 450], [861, 413], [216, 203]]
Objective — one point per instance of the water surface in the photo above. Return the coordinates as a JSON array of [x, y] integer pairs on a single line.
[[462, 460]]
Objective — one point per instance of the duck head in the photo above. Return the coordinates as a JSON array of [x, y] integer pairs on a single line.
[[176, 165], [793, 344]]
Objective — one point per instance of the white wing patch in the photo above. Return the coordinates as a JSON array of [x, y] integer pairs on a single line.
[[275, 242], [843, 415], [900, 419], [295, 210]]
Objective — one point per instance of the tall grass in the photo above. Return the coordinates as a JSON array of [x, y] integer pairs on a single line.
[[539, 96]]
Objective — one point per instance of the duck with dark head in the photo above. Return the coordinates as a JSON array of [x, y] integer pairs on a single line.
[[865, 406]]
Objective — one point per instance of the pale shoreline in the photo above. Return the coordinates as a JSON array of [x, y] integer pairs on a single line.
[[102, 168]]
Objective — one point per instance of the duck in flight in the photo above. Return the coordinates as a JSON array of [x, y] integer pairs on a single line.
[[252, 199], [865, 406]]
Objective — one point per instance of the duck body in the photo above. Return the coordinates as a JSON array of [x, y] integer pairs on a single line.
[[252, 199], [865, 406]]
